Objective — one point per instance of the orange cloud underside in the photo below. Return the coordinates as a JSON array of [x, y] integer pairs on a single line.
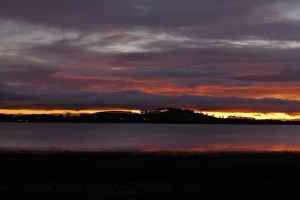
[[171, 86]]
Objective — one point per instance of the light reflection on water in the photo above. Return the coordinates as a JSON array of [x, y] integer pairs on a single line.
[[148, 137]]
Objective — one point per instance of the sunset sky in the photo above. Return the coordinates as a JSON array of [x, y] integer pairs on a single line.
[[224, 57]]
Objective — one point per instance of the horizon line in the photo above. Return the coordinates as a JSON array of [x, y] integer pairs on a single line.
[[218, 114]]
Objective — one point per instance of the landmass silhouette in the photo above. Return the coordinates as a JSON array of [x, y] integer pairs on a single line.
[[160, 115]]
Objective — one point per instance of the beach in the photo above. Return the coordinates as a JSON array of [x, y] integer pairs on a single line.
[[149, 175]]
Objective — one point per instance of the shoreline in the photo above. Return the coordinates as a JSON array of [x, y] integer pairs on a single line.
[[261, 122], [149, 175]]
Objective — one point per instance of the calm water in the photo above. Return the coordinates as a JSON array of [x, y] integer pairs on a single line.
[[96, 137]]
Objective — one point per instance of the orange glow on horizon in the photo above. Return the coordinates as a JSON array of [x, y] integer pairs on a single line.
[[256, 115], [31, 111]]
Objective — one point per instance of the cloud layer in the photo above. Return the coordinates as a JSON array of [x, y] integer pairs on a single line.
[[233, 55]]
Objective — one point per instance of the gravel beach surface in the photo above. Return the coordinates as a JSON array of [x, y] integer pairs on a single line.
[[149, 175]]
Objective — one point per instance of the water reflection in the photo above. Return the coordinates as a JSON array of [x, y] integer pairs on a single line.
[[148, 137]]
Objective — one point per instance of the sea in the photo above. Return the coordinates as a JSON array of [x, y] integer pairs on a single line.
[[147, 137]]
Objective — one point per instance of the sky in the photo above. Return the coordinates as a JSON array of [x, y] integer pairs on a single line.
[[223, 57]]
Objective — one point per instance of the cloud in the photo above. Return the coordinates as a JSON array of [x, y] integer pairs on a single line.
[[140, 100], [207, 71], [284, 76], [8, 96], [215, 19]]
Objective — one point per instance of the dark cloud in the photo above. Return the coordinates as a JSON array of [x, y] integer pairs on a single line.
[[177, 56], [141, 100], [11, 97], [205, 18]]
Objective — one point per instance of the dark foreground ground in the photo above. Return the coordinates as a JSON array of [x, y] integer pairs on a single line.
[[161, 175]]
